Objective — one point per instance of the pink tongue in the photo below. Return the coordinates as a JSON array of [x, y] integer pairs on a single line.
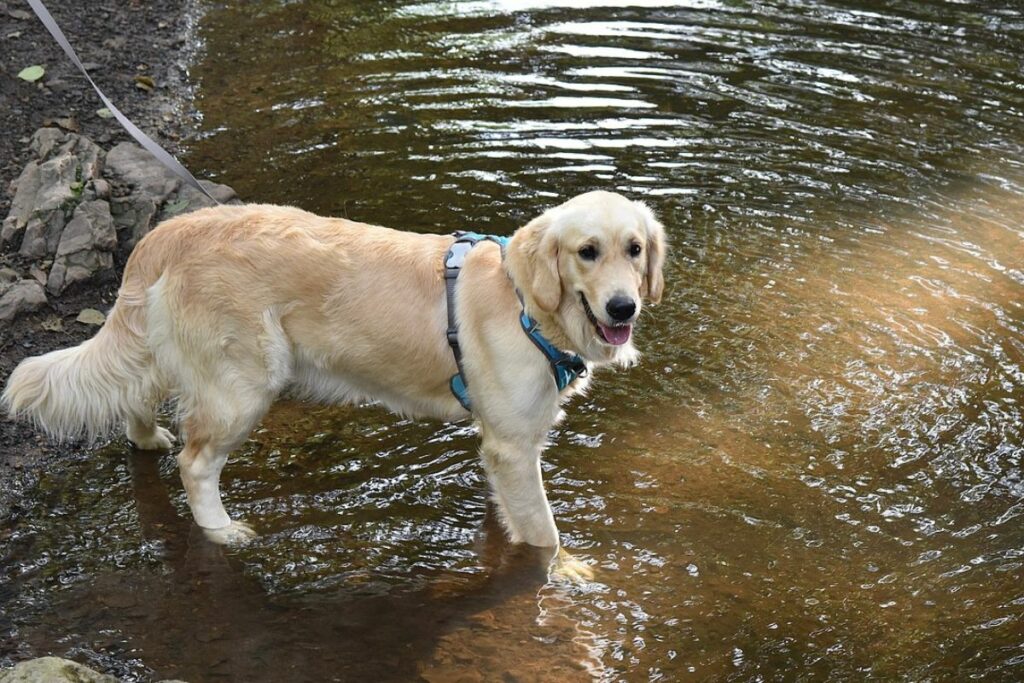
[[616, 335]]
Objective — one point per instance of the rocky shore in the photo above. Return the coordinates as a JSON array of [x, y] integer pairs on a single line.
[[118, 40], [75, 198], [77, 211], [138, 52], [75, 207]]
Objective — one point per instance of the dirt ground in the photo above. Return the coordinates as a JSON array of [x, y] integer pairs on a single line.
[[119, 41]]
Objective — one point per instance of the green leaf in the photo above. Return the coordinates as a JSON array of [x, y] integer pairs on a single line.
[[32, 73], [104, 113]]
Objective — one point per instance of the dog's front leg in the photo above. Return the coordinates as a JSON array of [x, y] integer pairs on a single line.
[[513, 468]]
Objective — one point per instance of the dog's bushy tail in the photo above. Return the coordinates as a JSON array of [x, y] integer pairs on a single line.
[[88, 389]]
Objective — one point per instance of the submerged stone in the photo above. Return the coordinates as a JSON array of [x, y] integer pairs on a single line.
[[53, 670]]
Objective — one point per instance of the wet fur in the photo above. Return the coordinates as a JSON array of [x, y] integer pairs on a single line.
[[225, 309]]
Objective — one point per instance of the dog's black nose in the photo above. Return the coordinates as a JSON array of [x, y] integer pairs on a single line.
[[621, 308]]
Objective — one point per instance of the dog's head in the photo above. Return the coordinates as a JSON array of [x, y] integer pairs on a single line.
[[588, 264]]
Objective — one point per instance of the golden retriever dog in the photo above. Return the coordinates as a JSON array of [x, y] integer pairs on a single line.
[[226, 308]]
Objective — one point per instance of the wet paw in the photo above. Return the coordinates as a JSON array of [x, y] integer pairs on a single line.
[[235, 534], [569, 567], [160, 440]]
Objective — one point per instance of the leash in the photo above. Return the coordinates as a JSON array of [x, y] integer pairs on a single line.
[[161, 154]]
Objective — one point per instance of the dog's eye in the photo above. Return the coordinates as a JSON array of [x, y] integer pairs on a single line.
[[635, 249], [588, 253]]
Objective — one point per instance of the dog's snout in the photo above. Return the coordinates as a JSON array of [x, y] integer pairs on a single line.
[[620, 308]]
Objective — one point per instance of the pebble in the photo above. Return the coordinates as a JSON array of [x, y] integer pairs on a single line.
[[90, 316]]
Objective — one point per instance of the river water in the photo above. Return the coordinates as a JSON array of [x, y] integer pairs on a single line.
[[816, 471]]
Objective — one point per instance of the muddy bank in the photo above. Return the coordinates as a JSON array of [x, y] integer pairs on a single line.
[[122, 44], [138, 53]]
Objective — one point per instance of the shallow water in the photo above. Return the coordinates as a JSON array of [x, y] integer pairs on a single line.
[[815, 473]]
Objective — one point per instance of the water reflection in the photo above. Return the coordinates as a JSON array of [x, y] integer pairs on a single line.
[[816, 471], [193, 610]]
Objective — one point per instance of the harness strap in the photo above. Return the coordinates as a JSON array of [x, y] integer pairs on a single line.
[[453, 260], [565, 367]]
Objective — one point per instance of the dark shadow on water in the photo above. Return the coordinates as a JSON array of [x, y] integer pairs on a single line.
[[200, 616]]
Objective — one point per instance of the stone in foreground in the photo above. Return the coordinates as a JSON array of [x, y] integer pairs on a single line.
[[53, 670]]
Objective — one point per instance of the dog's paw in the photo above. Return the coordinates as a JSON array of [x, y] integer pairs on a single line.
[[160, 440], [234, 534], [568, 567]]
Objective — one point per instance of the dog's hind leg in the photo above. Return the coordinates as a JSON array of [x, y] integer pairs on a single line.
[[200, 465], [146, 435], [214, 427], [226, 372]]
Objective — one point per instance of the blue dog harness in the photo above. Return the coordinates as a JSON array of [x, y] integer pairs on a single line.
[[565, 367]]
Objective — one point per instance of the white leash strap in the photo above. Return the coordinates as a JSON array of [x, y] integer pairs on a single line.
[[162, 155]]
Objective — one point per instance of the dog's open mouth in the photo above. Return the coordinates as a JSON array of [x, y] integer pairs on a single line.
[[616, 335]]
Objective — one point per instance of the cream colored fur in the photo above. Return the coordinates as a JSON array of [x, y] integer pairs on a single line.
[[225, 309]]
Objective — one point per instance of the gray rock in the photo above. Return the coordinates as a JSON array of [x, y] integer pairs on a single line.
[[23, 296], [81, 266], [48, 189], [197, 200], [8, 276], [50, 143], [39, 274], [25, 188], [53, 670], [133, 165], [91, 227], [85, 247], [28, 183], [101, 188], [44, 141], [151, 184], [42, 232], [134, 216]]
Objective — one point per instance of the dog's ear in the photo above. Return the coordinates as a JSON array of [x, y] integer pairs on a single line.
[[654, 282], [532, 261]]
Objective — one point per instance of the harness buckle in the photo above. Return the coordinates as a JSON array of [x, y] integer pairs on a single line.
[[456, 255]]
